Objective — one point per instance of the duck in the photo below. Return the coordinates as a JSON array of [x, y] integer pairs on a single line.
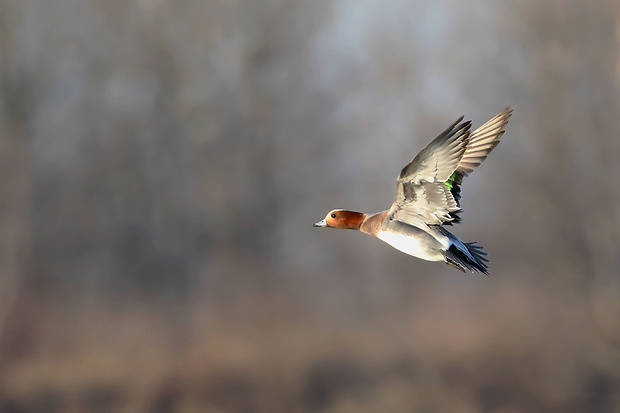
[[428, 194]]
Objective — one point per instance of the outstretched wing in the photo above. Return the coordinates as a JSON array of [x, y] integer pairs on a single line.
[[481, 142], [422, 196], [428, 189]]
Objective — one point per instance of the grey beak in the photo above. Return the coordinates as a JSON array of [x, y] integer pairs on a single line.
[[320, 224]]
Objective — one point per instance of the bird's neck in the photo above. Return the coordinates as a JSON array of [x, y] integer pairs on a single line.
[[372, 223]]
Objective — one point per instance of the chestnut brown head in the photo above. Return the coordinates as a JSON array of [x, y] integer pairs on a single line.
[[342, 219]]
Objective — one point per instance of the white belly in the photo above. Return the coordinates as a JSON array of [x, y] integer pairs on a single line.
[[411, 245]]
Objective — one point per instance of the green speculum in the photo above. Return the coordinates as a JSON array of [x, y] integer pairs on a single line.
[[450, 182]]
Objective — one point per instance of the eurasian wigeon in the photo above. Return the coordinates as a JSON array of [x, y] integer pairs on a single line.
[[427, 198]]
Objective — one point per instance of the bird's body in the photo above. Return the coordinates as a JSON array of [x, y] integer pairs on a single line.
[[427, 198], [415, 241]]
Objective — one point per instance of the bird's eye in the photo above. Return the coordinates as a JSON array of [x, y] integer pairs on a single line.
[[333, 215]]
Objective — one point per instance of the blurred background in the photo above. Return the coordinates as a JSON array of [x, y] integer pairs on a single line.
[[162, 164]]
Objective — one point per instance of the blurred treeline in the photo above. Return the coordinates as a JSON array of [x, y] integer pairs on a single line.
[[162, 163]]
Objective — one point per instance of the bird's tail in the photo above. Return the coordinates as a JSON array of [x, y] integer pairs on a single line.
[[467, 256]]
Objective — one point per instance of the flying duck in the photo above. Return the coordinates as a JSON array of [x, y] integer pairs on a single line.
[[428, 191]]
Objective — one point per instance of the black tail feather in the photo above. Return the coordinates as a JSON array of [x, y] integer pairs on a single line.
[[475, 261]]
